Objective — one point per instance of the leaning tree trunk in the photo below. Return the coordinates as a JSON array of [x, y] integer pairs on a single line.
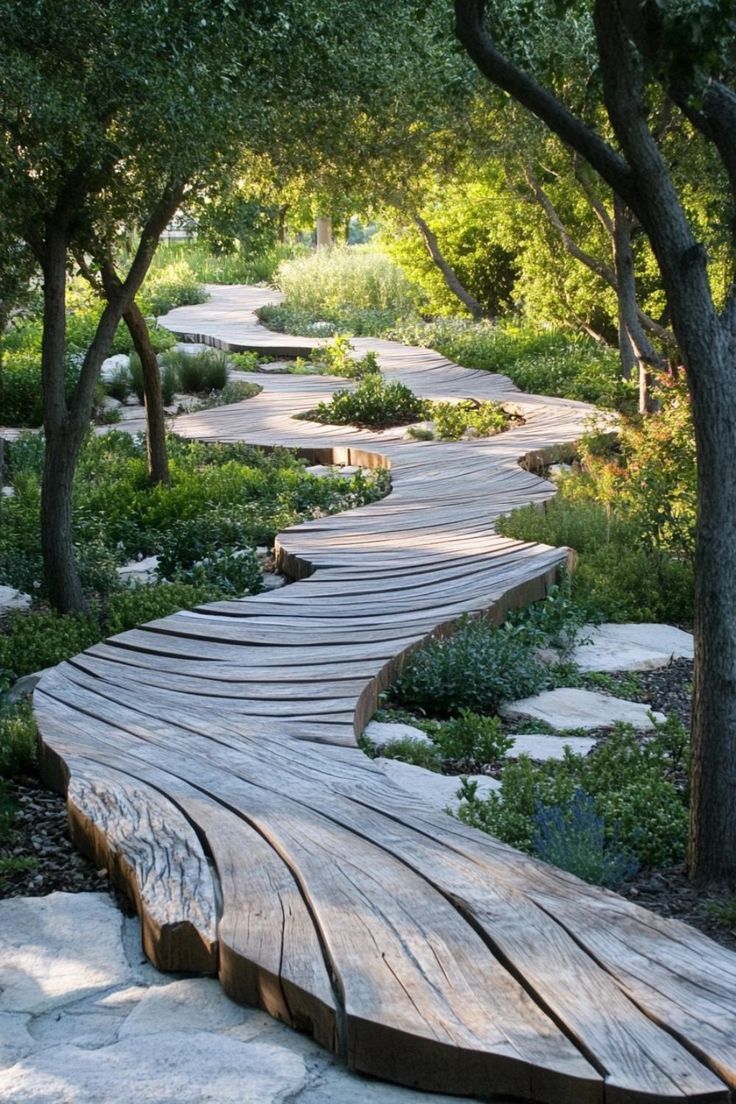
[[158, 461], [633, 341], [448, 274]]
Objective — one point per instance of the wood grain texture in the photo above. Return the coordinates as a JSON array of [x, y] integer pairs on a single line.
[[210, 762]]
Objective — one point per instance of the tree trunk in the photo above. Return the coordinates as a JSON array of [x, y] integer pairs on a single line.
[[324, 232], [448, 275], [634, 345], [712, 848], [158, 461], [63, 439], [281, 230]]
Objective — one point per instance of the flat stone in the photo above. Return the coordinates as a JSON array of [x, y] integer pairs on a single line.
[[140, 571], [272, 581], [109, 403], [335, 1085], [58, 948], [440, 791], [345, 471], [559, 471], [542, 746], [24, 686], [573, 708], [165, 1068], [638, 647], [192, 1004], [191, 347], [113, 365], [15, 1039], [12, 599], [7, 492], [381, 733]]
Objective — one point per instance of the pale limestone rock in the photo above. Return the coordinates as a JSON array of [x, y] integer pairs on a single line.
[[573, 708], [345, 471], [12, 599], [381, 733], [192, 1004], [637, 647], [166, 1068], [112, 365], [272, 581], [15, 1038], [440, 791], [140, 571], [335, 1085], [543, 746], [58, 948]]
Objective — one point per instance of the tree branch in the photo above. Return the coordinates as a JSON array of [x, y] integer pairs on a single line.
[[471, 30]]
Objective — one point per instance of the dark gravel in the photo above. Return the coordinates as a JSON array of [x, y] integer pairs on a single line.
[[40, 833]]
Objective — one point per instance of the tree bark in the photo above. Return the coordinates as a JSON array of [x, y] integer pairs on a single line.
[[632, 337], [158, 461], [281, 226], [324, 232], [448, 274]]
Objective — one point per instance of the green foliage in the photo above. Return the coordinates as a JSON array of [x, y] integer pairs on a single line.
[[238, 267], [723, 912], [137, 605], [467, 418], [245, 362], [119, 385], [327, 323], [335, 359], [633, 784], [169, 377], [169, 285], [416, 752], [630, 515], [355, 278], [198, 373], [472, 736], [542, 362], [573, 838], [231, 393], [480, 666], [31, 641], [374, 404], [17, 740]]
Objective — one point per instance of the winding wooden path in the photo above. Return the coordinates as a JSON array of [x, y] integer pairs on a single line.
[[211, 765]]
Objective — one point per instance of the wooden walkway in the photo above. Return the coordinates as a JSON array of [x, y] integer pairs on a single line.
[[211, 765]]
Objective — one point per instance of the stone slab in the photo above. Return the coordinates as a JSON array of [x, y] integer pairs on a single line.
[[574, 708], [166, 1068], [381, 733], [631, 647], [542, 746], [12, 599], [58, 947], [440, 791]]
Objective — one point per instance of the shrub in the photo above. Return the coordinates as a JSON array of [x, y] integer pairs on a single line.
[[472, 736], [478, 668], [199, 373], [119, 385], [231, 393], [230, 571], [137, 605], [170, 285], [245, 362], [633, 785], [32, 641], [357, 277], [573, 838], [454, 420], [374, 404], [415, 752], [17, 740]]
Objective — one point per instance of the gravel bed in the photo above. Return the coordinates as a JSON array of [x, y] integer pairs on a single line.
[[40, 833]]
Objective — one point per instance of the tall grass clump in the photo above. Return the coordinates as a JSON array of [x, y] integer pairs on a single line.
[[342, 278]]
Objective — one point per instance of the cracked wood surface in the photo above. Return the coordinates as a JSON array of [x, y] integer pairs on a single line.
[[210, 762]]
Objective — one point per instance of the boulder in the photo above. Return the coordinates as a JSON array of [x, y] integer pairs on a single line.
[[144, 570], [112, 366]]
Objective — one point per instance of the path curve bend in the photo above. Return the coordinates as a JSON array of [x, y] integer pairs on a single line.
[[210, 764]]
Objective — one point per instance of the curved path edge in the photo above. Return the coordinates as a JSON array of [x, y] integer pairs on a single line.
[[210, 763]]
